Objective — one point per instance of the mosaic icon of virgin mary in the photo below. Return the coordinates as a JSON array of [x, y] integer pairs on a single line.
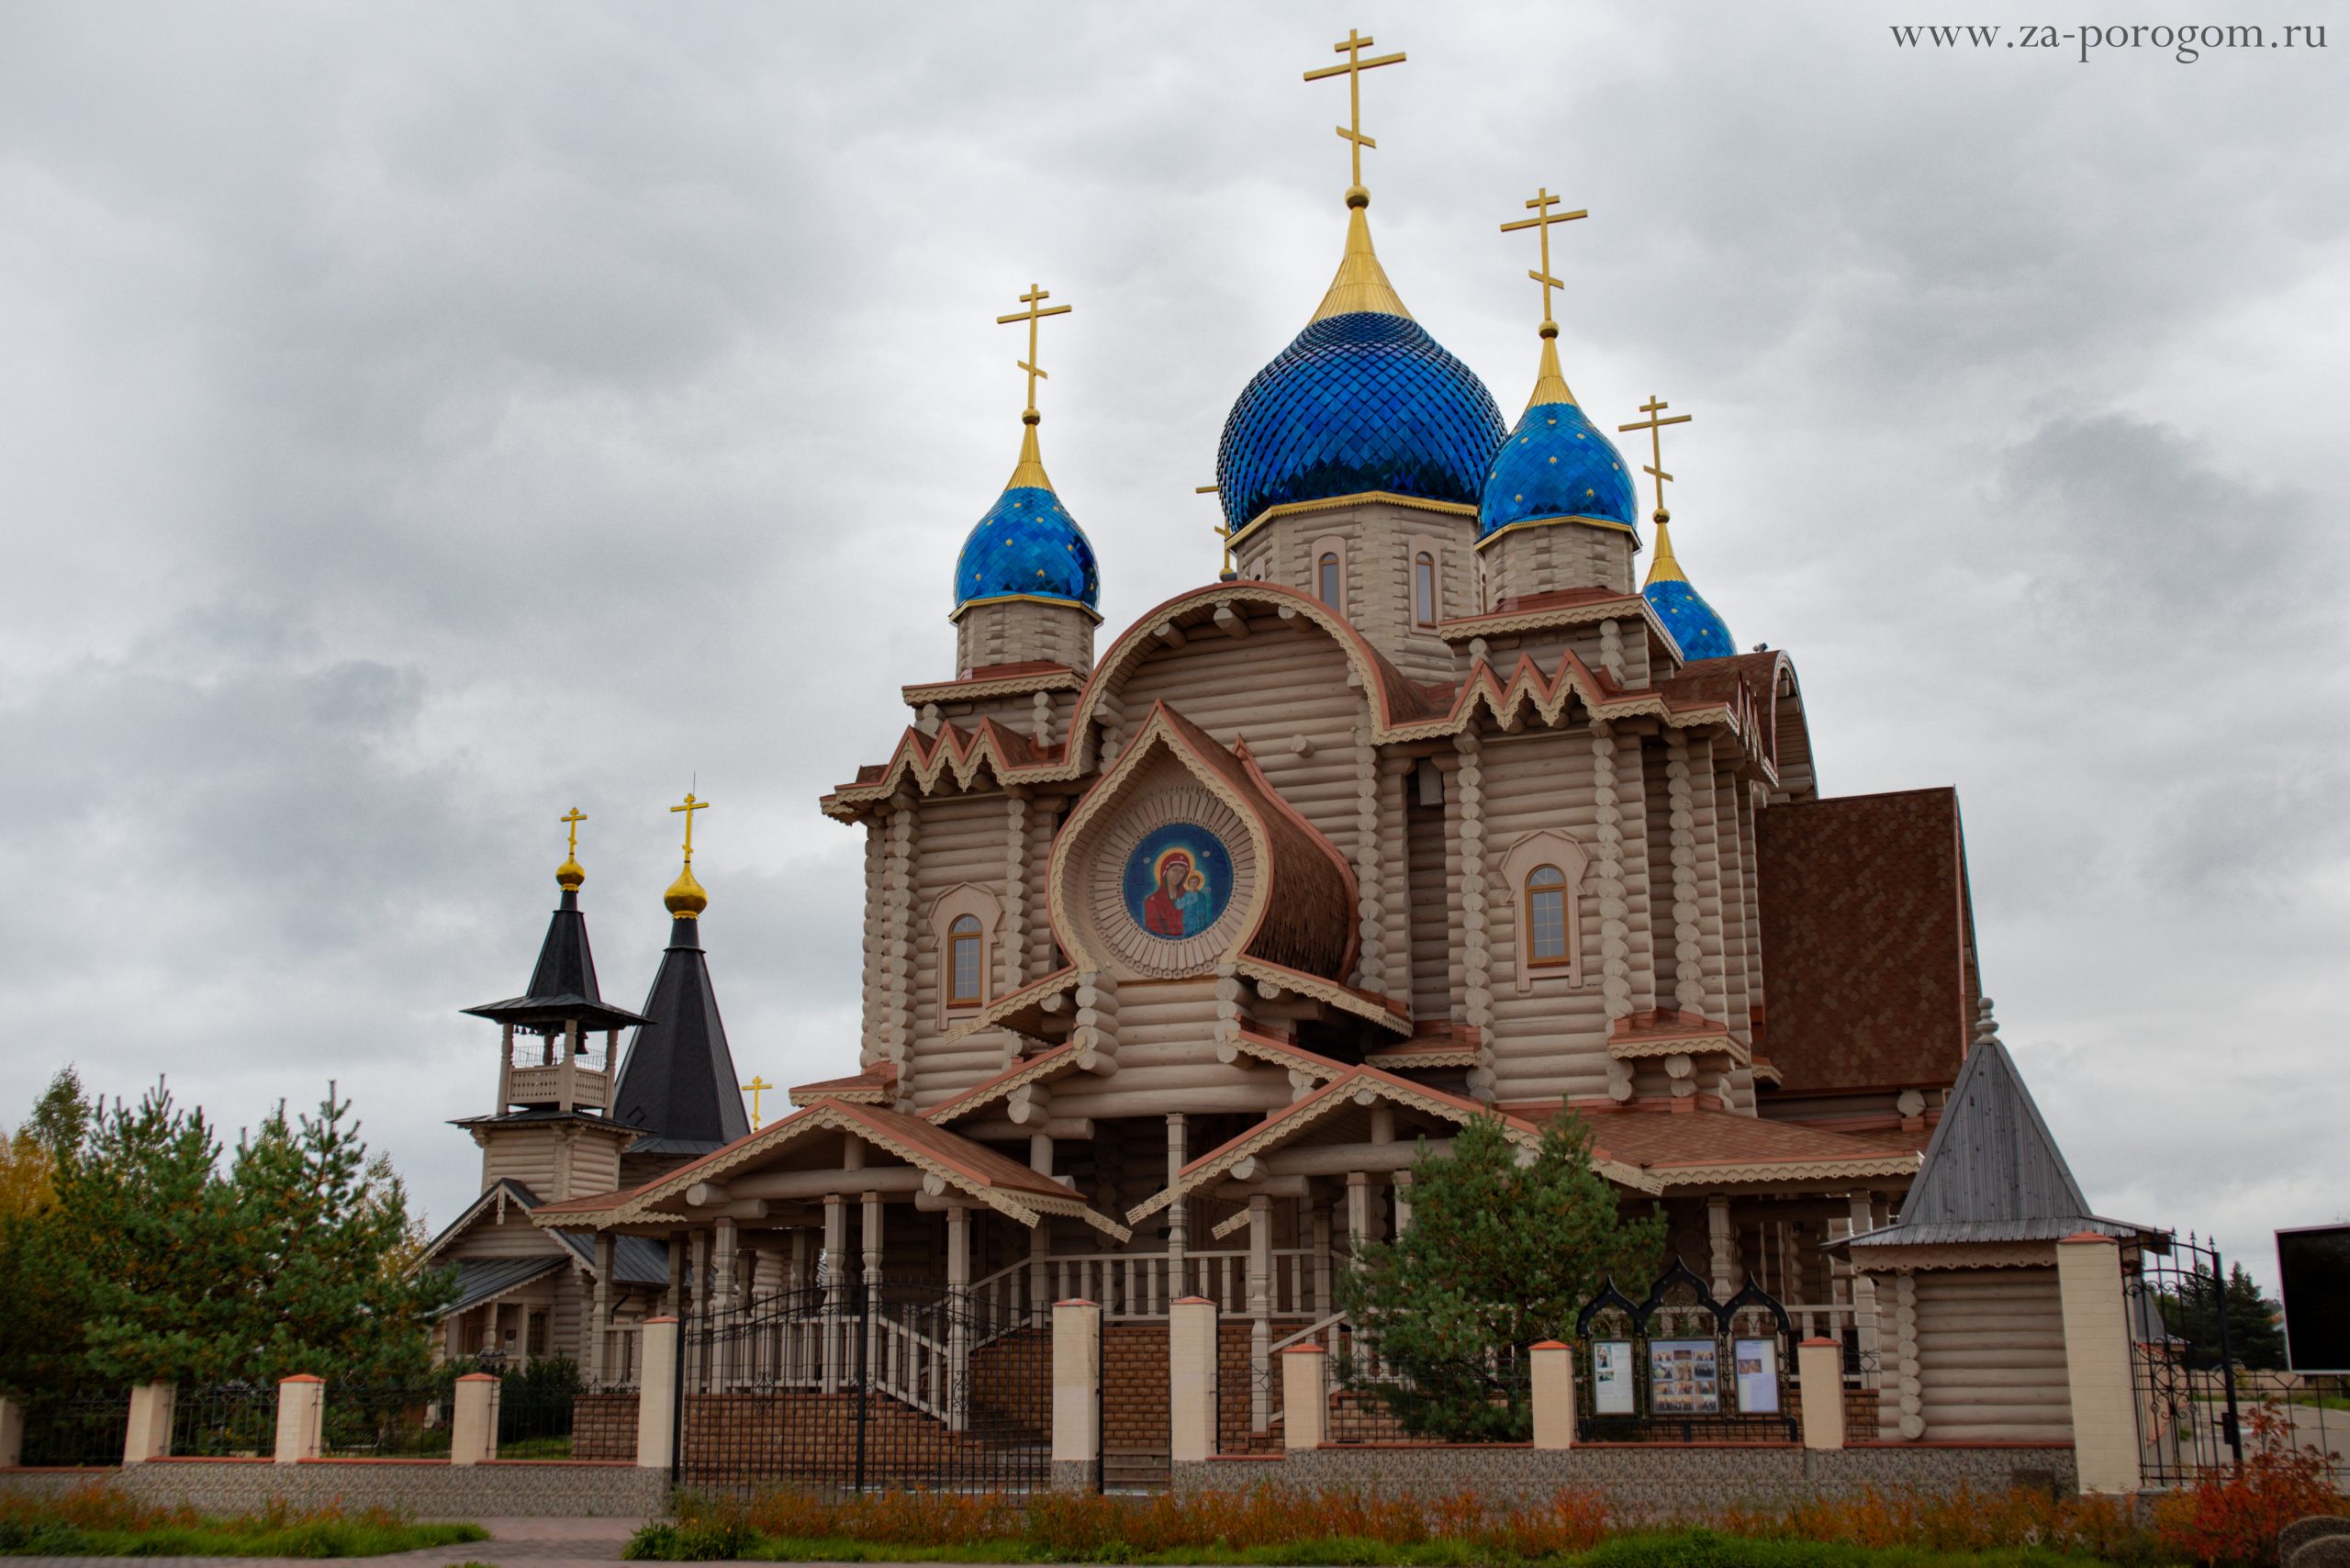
[[1177, 880]]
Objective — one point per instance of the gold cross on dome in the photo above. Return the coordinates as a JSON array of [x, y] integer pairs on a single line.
[[1352, 46], [1033, 299], [1540, 204], [1654, 424], [572, 819], [757, 1086], [690, 808]]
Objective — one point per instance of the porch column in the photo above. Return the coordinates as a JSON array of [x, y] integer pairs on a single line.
[[1724, 1246], [1357, 1213], [1178, 1144], [600, 1315], [872, 1281], [1864, 1319], [1261, 1311], [724, 1264], [836, 1282], [1401, 1182], [1323, 1301], [672, 1295], [958, 1332]]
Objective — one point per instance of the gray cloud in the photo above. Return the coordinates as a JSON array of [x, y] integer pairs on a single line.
[[417, 423]]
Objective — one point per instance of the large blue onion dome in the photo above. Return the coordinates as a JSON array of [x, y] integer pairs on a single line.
[[1556, 466], [1027, 546], [1363, 401], [1693, 623]]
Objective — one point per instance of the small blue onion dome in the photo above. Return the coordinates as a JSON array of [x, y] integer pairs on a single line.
[[1027, 546], [1694, 624], [1363, 400], [1556, 464]]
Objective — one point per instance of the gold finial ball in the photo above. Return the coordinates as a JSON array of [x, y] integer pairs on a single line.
[[1358, 195], [1032, 416], [1550, 329], [685, 896], [569, 875], [1660, 516]]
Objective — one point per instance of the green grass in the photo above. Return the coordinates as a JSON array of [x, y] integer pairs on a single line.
[[1676, 1549], [55, 1531]]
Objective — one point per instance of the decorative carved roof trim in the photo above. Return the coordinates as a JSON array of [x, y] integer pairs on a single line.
[[1548, 617], [1631, 1041], [1243, 1042], [1038, 1069], [1058, 678], [1003, 1007], [1958, 1255], [1386, 1011], [1670, 1176]]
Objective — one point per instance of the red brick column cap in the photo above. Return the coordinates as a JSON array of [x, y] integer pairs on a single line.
[[2087, 1235], [479, 1377], [1075, 1301], [1308, 1349], [1552, 1345], [1821, 1340], [670, 1319], [1192, 1301], [301, 1377]]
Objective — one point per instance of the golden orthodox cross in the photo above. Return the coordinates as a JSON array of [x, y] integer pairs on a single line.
[[573, 819], [1034, 298], [1540, 203], [757, 1086], [690, 808], [1352, 46], [1654, 424]]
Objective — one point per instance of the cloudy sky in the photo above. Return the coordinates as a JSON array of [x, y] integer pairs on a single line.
[[417, 421]]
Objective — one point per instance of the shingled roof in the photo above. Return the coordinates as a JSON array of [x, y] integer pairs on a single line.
[[1868, 941], [677, 1085], [562, 982], [1993, 1171]]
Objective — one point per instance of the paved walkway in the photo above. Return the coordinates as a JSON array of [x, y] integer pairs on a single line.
[[545, 1543]]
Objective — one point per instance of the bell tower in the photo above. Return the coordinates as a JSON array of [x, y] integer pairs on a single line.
[[550, 1130]]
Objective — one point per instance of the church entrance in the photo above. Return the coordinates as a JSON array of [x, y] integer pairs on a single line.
[[851, 1387]]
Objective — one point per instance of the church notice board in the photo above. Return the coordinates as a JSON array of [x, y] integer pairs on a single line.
[[1684, 1377]]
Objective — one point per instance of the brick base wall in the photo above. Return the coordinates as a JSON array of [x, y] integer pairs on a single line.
[[1643, 1480], [423, 1489]]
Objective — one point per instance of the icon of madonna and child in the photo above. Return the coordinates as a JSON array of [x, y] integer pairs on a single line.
[[1177, 880]]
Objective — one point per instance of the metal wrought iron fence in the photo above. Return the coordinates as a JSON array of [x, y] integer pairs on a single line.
[[84, 1427], [386, 1421], [228, 1420], [1681, 1366], [536, 1407]]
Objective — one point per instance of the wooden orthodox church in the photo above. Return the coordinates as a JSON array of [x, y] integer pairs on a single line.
[[1180, 950]]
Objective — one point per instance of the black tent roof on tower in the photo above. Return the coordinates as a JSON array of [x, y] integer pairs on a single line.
[[677, 1082], [562, 987], [1993, 1171]]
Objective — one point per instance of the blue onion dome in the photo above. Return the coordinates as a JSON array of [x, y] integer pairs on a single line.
[[1027, 546], [1556, 466], [1363, 401], [1693, 623]]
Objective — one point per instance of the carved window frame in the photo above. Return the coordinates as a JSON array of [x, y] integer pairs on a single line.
[[1332, 547], [1417, 545], [1546, 847], [964, 899]]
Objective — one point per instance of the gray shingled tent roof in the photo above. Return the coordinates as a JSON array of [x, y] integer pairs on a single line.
[[1993, 1171]]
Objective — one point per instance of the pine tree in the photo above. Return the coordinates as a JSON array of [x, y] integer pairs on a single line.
[[1498, 1256], [2255, 1332], [42, 1311]]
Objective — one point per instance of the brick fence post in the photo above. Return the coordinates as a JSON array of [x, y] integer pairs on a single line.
[[2097, 1363], [1190, 1379], [149, 1436], [656, 1395], [1077, 1395], [1819, 1392], [301, 1417], [473, 1424], [1305, 1396], [1554, 1386]]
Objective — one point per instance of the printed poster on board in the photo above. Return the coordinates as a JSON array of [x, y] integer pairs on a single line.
[[1758, 1376], [1682, 1377], [1611, 1377]]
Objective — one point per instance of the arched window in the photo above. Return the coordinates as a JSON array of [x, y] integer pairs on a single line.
[[1546, 916], [963, 971], [1424, 588], [1326, 578]]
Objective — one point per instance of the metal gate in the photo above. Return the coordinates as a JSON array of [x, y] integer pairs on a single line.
[[863, 1387], [2182, 1366]]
